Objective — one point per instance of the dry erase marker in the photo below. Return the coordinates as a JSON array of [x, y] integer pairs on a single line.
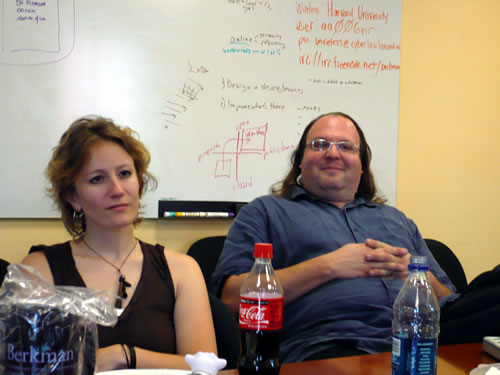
[[198, 214], [187, 214], [173, 214], [179, 214], [217, 214]]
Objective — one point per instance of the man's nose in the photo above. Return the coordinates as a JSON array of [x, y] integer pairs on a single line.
[[333, 152]]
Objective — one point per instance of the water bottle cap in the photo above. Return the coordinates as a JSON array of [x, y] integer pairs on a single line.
[[263, 250], [418, 263]]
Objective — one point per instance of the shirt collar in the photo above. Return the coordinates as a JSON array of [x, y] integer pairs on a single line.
[[299, 192]]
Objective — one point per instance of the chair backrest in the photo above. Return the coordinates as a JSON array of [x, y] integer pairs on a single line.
[[448, 262], [226, 331], [206, 252], [3, 269]]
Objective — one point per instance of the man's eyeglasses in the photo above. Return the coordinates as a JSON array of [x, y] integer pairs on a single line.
[[342, 146]]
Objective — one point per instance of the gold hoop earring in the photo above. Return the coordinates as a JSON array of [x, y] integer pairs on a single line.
[[79, 222], [77, 215]]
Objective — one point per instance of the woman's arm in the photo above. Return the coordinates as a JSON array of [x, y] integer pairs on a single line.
[[192, 320], [38, 261], [192, 316], [113, 358]]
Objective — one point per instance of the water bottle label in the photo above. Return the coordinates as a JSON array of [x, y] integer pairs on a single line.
[[414, 357], [261, 314]]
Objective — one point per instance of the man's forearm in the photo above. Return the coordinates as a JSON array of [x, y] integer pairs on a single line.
[[301, 278], [231, 291], [440, 289], [295, 280]]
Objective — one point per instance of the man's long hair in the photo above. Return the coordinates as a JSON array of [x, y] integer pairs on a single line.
[[366, 188]]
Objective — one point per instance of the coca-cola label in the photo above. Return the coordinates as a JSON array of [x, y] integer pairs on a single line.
[[261, 314]]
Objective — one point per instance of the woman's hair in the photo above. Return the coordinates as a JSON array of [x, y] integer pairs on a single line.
[[71, 154], [366, 188]]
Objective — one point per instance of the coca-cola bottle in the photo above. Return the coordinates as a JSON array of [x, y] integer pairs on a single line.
[[261, 316]]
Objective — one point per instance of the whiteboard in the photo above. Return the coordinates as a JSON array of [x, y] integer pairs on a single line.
[[219, 91]]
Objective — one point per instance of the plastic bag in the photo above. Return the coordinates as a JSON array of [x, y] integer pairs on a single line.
[[49, 330]]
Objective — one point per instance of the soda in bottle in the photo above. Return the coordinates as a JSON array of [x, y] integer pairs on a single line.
[[415, 324], [260, 316]]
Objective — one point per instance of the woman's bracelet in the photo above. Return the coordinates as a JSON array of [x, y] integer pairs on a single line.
[[126, 355], [133, 359]]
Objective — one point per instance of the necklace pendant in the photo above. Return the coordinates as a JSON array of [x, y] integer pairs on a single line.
[[123, 284], [122, 290]]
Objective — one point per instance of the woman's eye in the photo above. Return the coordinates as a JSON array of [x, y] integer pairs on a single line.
[[95, 179], [125, 173]]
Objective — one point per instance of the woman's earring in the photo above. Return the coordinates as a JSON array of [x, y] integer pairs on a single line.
[[78, 215], [79, 221]]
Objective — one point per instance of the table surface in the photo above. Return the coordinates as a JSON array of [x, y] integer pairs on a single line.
[[452, 359]]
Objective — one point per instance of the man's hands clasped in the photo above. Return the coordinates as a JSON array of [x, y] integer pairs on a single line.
[[369, 259], [386, 260]]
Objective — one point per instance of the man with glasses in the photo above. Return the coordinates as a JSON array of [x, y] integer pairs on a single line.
[[340, 253]]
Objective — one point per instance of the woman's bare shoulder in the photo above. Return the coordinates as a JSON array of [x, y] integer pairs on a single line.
[[38, 261], [176, 259]]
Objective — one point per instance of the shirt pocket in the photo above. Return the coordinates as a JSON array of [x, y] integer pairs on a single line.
[[395, 232]]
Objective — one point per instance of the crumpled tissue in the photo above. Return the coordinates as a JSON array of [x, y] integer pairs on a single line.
[[206, 363]]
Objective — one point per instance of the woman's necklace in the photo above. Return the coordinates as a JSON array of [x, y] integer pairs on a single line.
[[122, 291]]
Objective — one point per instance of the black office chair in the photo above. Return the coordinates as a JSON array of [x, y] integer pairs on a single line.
[[206, 252], [3, 269], [226, 331], [448, 262]]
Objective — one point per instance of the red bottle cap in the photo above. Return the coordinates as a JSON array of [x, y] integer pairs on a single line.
[[263, 250]]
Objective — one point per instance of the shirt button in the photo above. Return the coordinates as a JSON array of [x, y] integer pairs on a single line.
[[355, 229]]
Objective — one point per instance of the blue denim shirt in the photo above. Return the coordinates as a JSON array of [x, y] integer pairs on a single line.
[[355, 311]]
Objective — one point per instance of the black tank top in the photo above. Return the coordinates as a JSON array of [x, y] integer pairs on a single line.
[[148, 320]]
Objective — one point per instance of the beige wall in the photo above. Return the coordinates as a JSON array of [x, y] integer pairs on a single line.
[[449, 131], [16, 236], [449, 128]]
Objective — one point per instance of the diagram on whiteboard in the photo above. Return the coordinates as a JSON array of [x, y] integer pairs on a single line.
[[36, 32], [231, 157], [251, 141]]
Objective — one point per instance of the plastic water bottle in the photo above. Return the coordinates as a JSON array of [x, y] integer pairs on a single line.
[[261, 316], [415, 324]]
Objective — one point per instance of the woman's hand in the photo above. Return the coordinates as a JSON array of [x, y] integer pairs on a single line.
[[111, 358]]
